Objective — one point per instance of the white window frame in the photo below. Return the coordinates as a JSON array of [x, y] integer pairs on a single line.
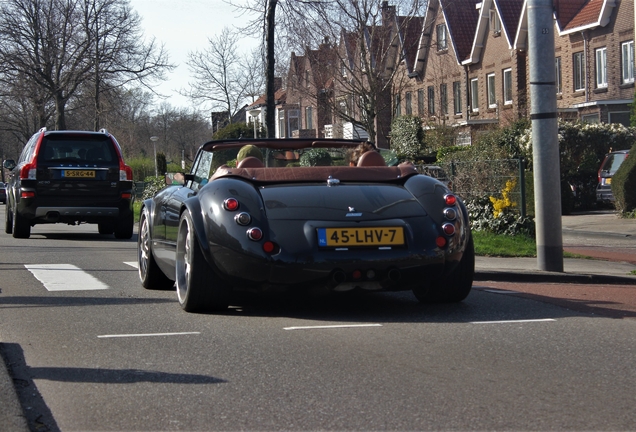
[[557, 75], [627, 62], [281, 123], [457, 97], [442, 40], [578, 72], [495, 24], [309, 117], [507, 86], [491, 90], [601, 67], [293, 115], [474, 94]]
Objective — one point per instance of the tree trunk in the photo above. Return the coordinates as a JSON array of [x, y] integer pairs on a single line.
[[60, 106]]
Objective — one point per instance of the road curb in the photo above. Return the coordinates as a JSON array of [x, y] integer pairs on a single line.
[[553, 277], [12, 417]]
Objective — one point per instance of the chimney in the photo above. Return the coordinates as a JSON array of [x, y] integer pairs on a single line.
[[278, 83]]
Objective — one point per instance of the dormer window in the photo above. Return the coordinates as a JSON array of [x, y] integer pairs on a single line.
[[343, 69], [495, 24], [442, 43]]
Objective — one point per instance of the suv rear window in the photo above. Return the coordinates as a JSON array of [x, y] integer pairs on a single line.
[[78, 149], [613, 162]]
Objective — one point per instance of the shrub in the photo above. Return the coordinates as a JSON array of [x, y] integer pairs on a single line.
[[235, 131], [152, 186], [407, 137], [315, 157], [482, 218], [624, 184]]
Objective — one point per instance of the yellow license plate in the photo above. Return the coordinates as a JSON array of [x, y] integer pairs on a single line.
[[608, 180], [79, 173], [369, 236]]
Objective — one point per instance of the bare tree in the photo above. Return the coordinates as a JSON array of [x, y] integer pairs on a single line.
[[221, 79], [119, 54]]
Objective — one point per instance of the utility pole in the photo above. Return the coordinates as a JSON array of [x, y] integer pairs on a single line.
[[545, 142], [269, 74]]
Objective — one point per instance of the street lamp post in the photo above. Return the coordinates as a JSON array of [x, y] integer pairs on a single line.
[[154, 140], [254, 113]]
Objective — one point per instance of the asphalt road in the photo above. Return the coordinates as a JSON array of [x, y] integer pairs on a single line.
[[122, 358]]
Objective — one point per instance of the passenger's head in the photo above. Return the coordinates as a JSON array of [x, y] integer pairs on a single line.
[[362, 148], [249, 150]]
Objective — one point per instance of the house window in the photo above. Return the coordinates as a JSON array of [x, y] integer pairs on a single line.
[[407, 101], [591, 118], [601, 67], [557, 75], [441, 37], [309, 118], [420, 102], [443, 98], [474, 94], [492, 94], [281, 124], [495, 24], [342, 107], [431, 100], [293, 121], [579, 71], [457, 97], [507, 88], [621, 117], [398, 105], [362, 67], [627, 50], [343, 69]]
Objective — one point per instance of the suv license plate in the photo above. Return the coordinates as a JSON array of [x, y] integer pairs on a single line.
[[79, 173], [368, 236]]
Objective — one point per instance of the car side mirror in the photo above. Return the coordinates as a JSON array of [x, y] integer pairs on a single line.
[[175, 179], [9, 164]]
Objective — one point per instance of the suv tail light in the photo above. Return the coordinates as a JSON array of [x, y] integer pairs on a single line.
[[28, 171], [125, 172]]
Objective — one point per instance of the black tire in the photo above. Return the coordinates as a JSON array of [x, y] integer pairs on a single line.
[[456, 286], [21, 226], [8, 220], [124, 227], [198, 287], [105, 228], [149, 272]]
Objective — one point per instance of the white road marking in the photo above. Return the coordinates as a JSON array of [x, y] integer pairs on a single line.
[[147, 334], [514, 321], [132, 263], [65, 277], [332, 326]]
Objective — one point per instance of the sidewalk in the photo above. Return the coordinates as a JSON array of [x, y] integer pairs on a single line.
[[611, 241]]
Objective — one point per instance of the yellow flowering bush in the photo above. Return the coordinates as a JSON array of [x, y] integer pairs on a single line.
[[501, 204]]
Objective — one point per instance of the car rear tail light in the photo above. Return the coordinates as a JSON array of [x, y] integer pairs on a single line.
[[255, 234], [449, 229], [27, 194], [126, 195], [125, 172], [270, 247], [231, 204], [450, 213], [440, 242], [450, 199], [28, 171], [243, 218]]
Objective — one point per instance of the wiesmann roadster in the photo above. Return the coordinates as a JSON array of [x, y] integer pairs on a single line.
[[291, 214]]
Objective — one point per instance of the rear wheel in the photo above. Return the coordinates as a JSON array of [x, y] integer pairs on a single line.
[[456, 286], [124, 227], [149, 272], [198, 287], [8, 220], [21, 227]]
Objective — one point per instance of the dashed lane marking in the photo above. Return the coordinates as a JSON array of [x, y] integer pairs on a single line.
[[131, 263], [514, 321], [332, 326], [65, 277], [147, 334]]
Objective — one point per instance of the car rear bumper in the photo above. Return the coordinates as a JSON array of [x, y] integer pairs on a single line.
[[49, 212]]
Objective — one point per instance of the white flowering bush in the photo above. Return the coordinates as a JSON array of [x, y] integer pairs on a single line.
[[407, 137]]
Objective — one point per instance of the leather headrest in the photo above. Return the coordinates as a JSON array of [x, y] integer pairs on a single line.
[[371, 158]]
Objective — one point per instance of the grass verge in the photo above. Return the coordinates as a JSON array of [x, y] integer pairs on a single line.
[[499, 245]]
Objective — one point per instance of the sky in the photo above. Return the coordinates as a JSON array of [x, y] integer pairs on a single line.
[[184, 26]]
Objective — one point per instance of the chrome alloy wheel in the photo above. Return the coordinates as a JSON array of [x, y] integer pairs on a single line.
[[143, 257], [183, 260]]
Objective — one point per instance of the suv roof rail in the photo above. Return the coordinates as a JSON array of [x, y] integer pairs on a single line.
[[42, 129], [104, 131]]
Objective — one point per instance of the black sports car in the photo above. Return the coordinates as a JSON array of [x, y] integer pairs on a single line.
[[292, 213]]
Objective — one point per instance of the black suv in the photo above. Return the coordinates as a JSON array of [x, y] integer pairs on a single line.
[[609, 166], [70, 177]]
